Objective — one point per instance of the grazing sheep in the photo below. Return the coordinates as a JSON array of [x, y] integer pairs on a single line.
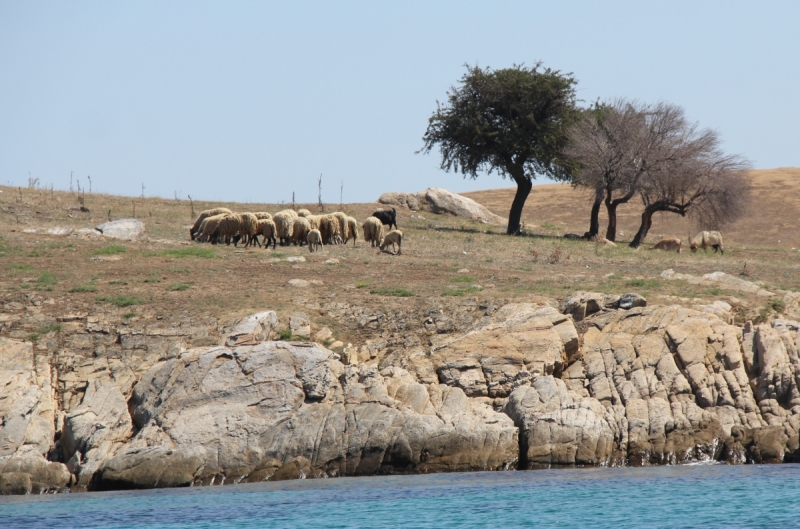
[[292, 213], [300, 230], [266, 227], [342, 218], [329, 228], [208, 226], [669, 244], [227, 230], [706, 240], [204, 215], [351, 231], [248, 229], [284, 222], [303, 213], [387, 218], [393, 237], [373, 231], [313, 221], [263, 215], [314, 239]]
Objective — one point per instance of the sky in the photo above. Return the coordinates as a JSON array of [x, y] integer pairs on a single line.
[[253, 101]]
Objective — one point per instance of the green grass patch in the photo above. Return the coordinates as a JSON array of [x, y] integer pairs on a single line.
[[110, 250], [46, 281], [362, 284], [180, 253], [278, 254], [178, 287], [19, 267], [120, 301], [84, 288], [644, 283], [152, 280], [462, 279], [398, 292], [285, 334], [117, 282], [461, 291], [129, 315], [180, 270]]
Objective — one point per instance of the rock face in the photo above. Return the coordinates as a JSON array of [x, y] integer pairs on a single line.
[[245, 413], [510, 386], [125, 229], [442, 201]]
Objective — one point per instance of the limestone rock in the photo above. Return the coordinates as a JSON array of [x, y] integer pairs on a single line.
[[125, 229], [398, 198], [442, 201], [299, 283], [300, 325], [252, 329]]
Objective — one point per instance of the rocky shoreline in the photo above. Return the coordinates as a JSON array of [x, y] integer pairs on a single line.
[[595, 380]]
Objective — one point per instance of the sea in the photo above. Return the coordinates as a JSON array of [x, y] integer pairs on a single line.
[[666, 496]]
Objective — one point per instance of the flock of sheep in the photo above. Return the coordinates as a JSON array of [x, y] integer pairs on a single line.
[[221, 225]]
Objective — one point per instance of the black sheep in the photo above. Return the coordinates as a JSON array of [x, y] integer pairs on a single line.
[[387, 218]]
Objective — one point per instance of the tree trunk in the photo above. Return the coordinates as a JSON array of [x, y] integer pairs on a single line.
[[594, 221], [611, 231], [647, 222], [523, 190]]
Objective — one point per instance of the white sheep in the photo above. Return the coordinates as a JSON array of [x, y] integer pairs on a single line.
[[352, 230], [208, 226], [300, 230], [284, 222], [204, 215], [706, 240], [314, 239], [393, 237], [373, 231], [266, 227], [248, 228], [303, 213]]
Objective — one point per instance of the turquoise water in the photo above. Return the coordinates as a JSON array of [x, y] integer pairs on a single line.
[[682, 496]]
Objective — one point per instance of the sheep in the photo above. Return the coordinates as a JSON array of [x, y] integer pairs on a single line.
[[266, 227], [292, 213], [248, 229], [303, 213], [262, 215], [706, 240], [393, 237], [227, 230], [313, 221], [387, 218], [342, 218], [352, 230], [314, 239], [300, 229], [669, 244], [284, 222], [204, 215], [208, 226], [329, 228], [373, 231]]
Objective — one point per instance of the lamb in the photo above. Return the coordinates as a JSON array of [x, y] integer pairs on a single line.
[[303, 213], [393, 237], [329, 228], [669, 244], [284, 222], [373, 231], [204, 215], [387, 218], [314, 239], [266, 227], [300, 230], [208, 226], [351, 231], [706, 240]]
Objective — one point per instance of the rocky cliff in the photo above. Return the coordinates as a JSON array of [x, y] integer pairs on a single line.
[[596, 380]]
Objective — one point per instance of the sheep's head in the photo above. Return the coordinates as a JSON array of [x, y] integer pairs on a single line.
[[693, 247]]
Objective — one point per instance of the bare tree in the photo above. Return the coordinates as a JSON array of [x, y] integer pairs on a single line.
[[696, 179], [615, 146]]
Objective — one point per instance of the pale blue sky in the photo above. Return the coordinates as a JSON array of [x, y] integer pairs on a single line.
[[250, 101]]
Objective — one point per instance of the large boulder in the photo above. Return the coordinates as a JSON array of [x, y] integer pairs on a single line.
[[243, 413], [442, 201], [124, 229], [400, 199]]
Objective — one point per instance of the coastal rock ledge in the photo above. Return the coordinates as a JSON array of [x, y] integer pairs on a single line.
[[520, 388]]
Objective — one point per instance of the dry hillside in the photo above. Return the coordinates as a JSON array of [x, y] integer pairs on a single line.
[[772, 221]]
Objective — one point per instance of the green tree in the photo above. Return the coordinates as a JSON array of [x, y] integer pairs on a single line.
[[513, 121]]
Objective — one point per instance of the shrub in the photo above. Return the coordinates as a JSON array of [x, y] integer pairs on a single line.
[[121, 301]]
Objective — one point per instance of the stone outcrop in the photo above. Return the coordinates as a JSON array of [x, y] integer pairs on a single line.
[[124, 229], [514, 386], [444, 202]]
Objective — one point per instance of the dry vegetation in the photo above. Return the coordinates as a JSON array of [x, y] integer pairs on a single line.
[[171, 278]]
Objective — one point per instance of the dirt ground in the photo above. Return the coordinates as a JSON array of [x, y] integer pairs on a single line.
[[447, 264]]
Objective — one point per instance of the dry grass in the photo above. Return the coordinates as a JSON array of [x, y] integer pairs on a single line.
[[171, 277]]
